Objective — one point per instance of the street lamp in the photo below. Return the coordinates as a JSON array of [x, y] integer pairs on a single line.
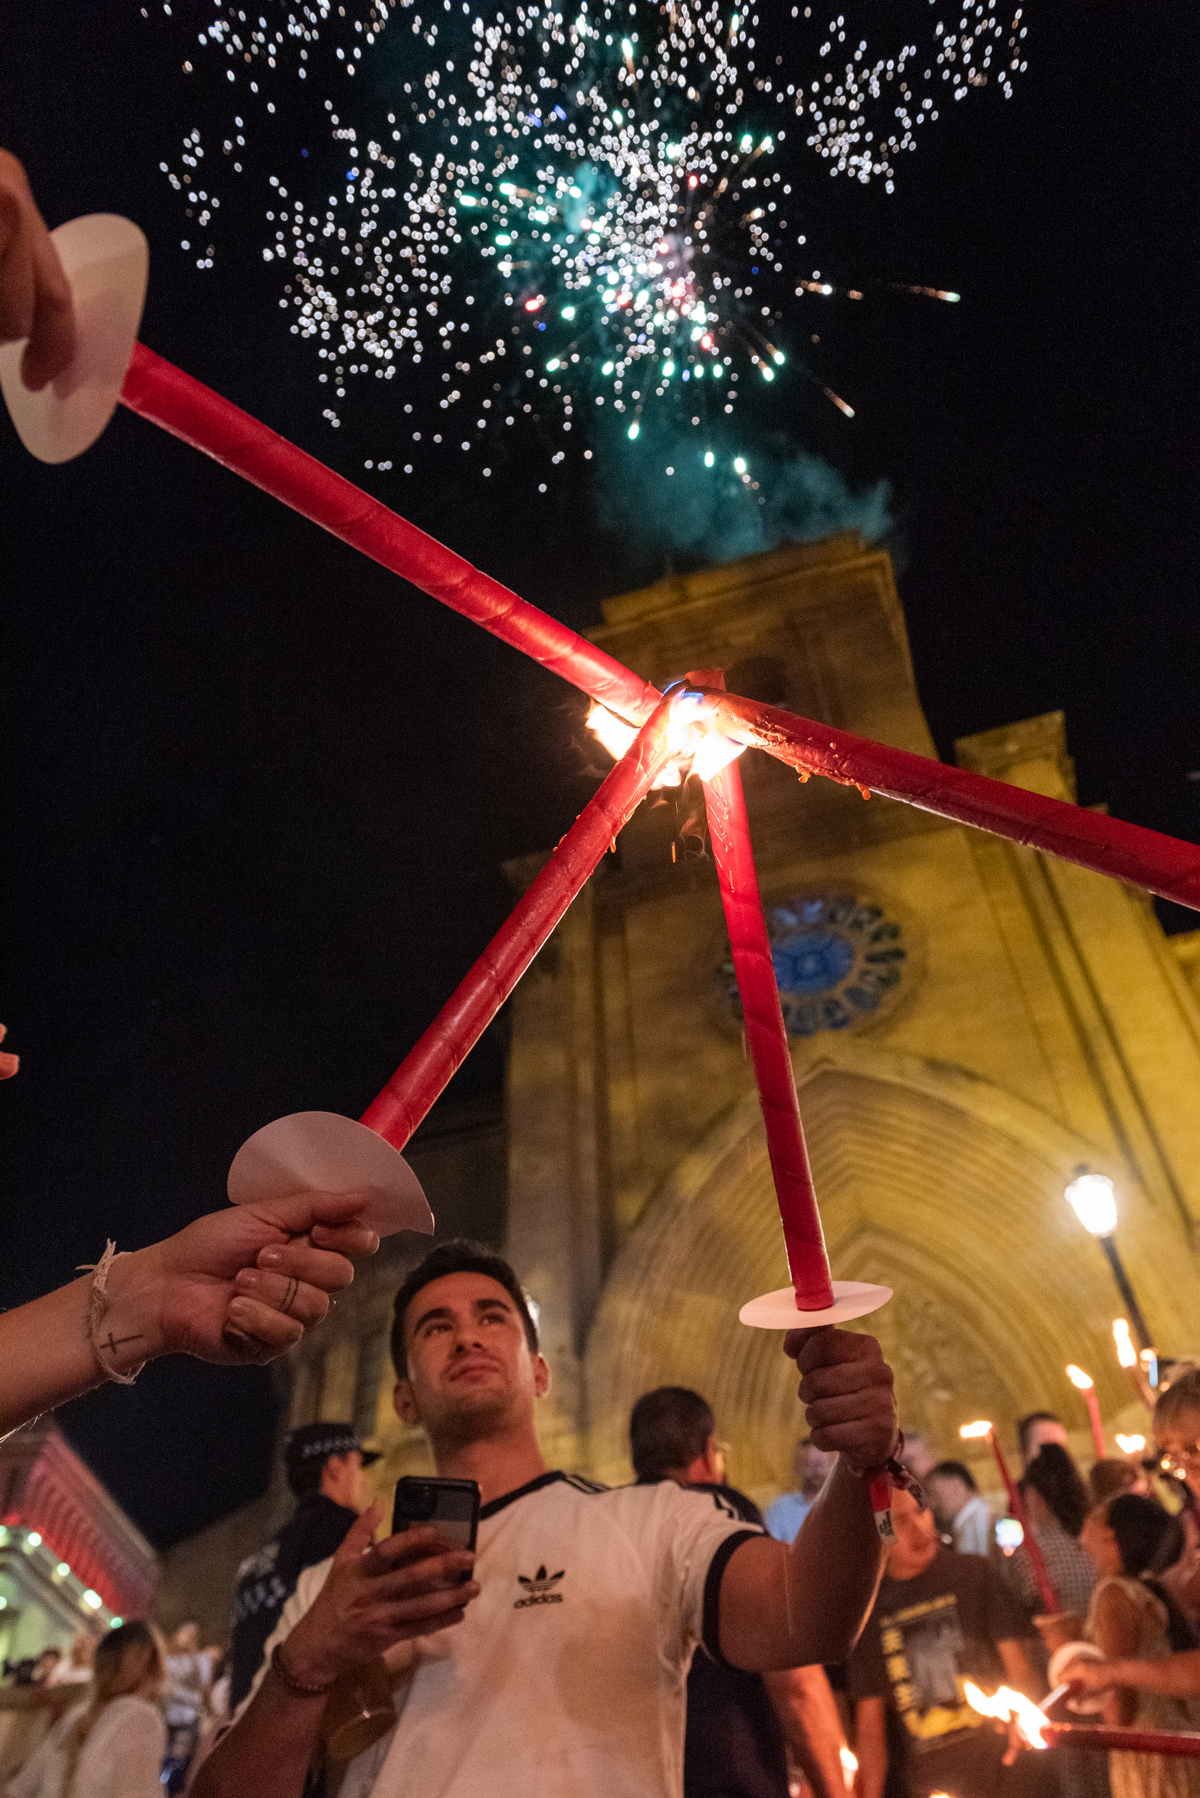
[[1094, 1203]]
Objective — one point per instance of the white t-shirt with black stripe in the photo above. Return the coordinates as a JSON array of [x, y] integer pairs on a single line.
[[567, 1675]]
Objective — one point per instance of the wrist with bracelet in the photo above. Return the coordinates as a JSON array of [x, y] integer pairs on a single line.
[[888, 1476], [302, 1688], [101, 1329]]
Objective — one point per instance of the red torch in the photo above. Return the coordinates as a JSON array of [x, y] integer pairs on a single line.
[[1087, 1386], [1016, 1506]]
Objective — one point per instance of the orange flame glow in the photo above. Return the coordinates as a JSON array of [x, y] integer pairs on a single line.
[[696, 747], [1131, 1445], [1126, 1353], [970, 1431], [1077, 1377], [1010, 1707]]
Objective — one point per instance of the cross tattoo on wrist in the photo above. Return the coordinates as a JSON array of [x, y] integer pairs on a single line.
[[113, 1344]]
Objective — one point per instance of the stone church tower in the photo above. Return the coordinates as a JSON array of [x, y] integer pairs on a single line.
[[969, 1022]]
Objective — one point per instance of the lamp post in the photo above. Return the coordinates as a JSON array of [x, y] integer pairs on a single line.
[[1094, 1203]]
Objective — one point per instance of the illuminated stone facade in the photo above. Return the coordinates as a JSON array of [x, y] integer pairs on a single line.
[[1026, 1017]]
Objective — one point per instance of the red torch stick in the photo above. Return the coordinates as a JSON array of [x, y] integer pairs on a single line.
[[1087, 1386], [187, 409], [425, 1070], [1116, 1740], [1016, 1506], [1161, 864], [320, 1151], [729, 832]]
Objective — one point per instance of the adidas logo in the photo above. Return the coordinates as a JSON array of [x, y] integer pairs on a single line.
[[539, 1589]]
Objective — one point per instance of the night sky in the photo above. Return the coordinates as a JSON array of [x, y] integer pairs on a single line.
[[257, 792]]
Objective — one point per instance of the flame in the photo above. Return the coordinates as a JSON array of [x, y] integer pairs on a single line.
[[692, 739], [1077, 1377], [971, 1430], [849, 1765], [1126, 1353], [1010, 1707], [1131, 1445]]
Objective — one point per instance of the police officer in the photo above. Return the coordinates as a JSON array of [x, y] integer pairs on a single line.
[[324, 1463]]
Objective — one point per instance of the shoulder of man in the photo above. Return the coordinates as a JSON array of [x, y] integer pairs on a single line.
[[729, 1498], [703, 1499]]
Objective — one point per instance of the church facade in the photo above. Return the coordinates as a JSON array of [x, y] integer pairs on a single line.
[[970, 1022]]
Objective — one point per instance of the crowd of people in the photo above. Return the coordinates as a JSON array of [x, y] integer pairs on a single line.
[[625, 1640], [1121, 1551]]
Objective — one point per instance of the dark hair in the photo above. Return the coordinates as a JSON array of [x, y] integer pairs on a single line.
[[668, 1428], [1149, 1540], [1183, 1394], [1055, 1477], [1025, 1428], [305, 1481], [1109, 1477], [456, 1257], [953, 1470]]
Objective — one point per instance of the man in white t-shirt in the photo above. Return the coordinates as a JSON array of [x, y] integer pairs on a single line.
[[553, 1660]]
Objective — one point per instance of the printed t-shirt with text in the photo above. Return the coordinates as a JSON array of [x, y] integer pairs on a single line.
[[568, 1672], [927, 1635]]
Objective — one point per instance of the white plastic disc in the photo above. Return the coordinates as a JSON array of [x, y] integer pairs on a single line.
[[318, 1151], [779, 1310], [1091, 1703], [106, 259]]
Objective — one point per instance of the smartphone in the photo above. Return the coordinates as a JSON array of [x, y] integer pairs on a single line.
[[452, 1504]]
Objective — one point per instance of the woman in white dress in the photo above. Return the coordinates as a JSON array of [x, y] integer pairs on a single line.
[[111, 1746], [1132, 1618]]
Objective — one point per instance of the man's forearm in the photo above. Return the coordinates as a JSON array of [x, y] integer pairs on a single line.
[[807, 1710], [46, 1349], [269, 1750], [870, 1744], [1176, 1675], [838, 1554], [804, 1606]]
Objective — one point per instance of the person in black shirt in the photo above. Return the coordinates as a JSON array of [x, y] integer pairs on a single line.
[[324, 1463], [940, 1618], [739, 1724]]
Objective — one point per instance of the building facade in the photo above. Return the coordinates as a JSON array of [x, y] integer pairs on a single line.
[[70, 1559], [970, 1022]]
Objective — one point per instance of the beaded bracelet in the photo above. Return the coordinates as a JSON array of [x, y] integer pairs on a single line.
[[280, 1670]]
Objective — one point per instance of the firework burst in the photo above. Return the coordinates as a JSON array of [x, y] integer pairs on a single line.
[[578, 216]]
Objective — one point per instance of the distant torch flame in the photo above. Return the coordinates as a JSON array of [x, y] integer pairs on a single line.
[[1131, 1445], [1126, 1353], [971, 1430], [691, 736], [849, 1766], [932, 293], [1077, 1377], [1010, 1707]]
